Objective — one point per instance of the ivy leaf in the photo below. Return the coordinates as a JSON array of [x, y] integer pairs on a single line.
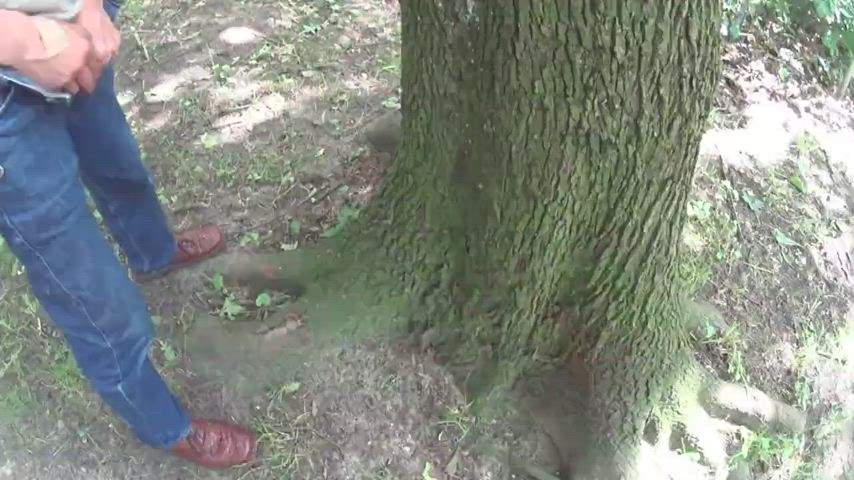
[[692, 456], [169, 353], [824, 9], [231, 308], [710, 330], [782, 239], [291, 388], [848, 40], [344, 217], [427, 474], [209, 141], [218, 281], [798, 182], [263, 300], [752, 201], [392, 103]]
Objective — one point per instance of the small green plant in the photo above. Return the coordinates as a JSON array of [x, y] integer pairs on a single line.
[[170, 355], [251, 239], [831, 20], [222, 72], [699, 209], [263, 300], [838, 17], [736, 367], [345, 216], [764, 451], [392, 103], [311, 28], [784, 240], [67, 378], [190, 105], [294, 228], [262, 55], [392, 68], [231, 308], [459, 420], [427, 473], [731, 345]]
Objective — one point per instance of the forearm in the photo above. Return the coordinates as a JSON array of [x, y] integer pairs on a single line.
[[19, 33]]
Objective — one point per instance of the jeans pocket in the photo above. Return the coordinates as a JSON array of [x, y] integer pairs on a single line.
[[17, 110]]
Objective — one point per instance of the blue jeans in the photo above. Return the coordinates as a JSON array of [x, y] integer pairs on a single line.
[[48, 152]]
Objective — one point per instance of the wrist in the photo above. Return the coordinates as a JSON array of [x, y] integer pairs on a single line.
[[20, 40]]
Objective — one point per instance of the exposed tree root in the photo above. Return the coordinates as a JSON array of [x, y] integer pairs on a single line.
[[695, 436], [699, 316], [290, 272], [384, 133], [751, 408]]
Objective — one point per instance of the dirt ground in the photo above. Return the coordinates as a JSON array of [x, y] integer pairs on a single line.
[[252, 115]]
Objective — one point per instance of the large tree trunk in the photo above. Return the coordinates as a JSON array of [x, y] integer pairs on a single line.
[[531, 223], [537, 199]]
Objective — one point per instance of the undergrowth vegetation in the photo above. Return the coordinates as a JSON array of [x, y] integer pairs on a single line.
[[829, 23]]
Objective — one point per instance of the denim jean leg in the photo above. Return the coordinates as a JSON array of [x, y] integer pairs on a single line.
[[73, 271], [122, 187]]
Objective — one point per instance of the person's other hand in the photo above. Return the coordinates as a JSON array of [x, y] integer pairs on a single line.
[[72, 69], [106, 38]]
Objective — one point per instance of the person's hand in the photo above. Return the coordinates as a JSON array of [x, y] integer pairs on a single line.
[[106, 39], [72, 69]]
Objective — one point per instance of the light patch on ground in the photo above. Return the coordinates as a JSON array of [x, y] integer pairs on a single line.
[[832, 369], [173, 85], [240, 35], [762, 143], [239, 90], [237, 127], [158, 121]]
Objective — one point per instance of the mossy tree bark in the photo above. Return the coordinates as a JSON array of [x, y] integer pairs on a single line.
[[538, 195], [531, 223]]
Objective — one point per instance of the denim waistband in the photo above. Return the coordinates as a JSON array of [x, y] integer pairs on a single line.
[[13, 77]]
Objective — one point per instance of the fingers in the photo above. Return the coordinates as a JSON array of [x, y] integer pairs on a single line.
[[71, 87], [86, 80], [116, 43], [107, 44], [91, 72], [105, 52], [102, 56]]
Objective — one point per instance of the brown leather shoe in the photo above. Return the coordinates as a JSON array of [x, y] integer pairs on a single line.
[[194, 246], [217, 445]]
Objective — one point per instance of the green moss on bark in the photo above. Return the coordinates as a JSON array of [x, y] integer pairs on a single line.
[[538, 196]]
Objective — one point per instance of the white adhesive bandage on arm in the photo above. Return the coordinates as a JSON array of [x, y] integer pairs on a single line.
[[54, 39]]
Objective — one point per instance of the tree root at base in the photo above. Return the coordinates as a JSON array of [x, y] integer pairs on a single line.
[[694, 435], [703, 424], [291, 272]]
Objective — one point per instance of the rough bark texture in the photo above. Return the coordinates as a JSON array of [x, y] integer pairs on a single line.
[[537, 198]]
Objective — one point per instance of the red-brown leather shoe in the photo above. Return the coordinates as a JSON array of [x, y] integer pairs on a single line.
[[217, 445], [194, 246]]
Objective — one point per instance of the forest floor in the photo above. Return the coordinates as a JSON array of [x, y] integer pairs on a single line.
[[252, 115]]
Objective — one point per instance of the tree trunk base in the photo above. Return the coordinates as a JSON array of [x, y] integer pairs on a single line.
[[693, 434]]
